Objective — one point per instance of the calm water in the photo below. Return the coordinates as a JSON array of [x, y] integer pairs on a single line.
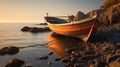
[[10, 35]]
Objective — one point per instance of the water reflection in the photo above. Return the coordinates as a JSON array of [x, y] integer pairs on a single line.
[[60, 43]]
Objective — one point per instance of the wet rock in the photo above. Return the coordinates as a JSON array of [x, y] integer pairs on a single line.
[[43, 57], [3, 50], [26, 28], [14, 63], [50, 53], [57, 59], [12, 50], [9, 50], [28, 65], [65, 60]]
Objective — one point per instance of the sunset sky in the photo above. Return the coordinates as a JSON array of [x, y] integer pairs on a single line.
[[33, 11]]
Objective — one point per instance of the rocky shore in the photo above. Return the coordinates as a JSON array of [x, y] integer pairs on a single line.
[[102, 49]]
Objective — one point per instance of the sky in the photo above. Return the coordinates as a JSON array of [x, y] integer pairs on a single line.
[[33, 11]]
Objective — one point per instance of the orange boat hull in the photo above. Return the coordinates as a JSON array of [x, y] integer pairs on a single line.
[[80, 29]]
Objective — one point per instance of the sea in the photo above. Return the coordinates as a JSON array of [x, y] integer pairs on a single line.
[[11, 35]]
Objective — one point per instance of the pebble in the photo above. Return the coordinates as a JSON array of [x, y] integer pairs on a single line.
[[28, 65], [50, 53], [43, 57], [57, 59]]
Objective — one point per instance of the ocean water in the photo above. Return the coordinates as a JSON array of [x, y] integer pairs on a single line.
[[10, 35]]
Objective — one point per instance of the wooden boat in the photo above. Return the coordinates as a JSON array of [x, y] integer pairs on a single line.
[[80, 29]]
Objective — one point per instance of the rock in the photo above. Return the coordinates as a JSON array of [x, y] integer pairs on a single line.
[[99, 63], [49, 63], [113, 58], [14, 63], [117, 51], [26, 28], [77, 65], [57, 59], [9, 50], [70, 50], [28, 65], [50, 53], [89, 52], [111, 15], [79, 16], [103, 19], [12, 50], [91, 65], [35, 29], [88, 57], [42, 24], [65, 60], [43, 57], [115, 63], [3, 50], [74, 59], [94, 12]]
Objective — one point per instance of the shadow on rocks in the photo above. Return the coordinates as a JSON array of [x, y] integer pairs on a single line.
[[107, 34]]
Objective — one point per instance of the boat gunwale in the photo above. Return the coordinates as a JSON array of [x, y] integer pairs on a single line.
[[74, 23]]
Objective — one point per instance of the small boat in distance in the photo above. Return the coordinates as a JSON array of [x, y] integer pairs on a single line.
[[80, 29]]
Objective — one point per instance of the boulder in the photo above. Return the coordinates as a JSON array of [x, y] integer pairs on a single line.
[[12, 50], [111, 15], [79, 16], [3, 50], [9, 50], [26, 28], [14, 63]]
